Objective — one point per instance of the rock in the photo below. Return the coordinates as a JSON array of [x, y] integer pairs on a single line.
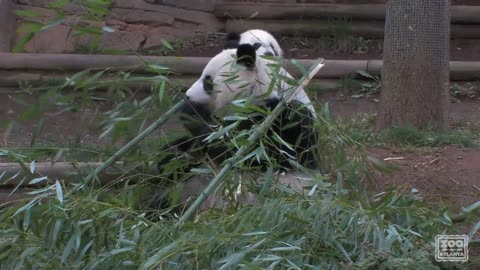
[[116, 24], [197, 17], [123, 40], [202, 5], [70, 8], [53, 40], [136, 16]]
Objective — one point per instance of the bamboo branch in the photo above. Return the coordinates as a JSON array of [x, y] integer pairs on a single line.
[[131, 144], [253, 138]]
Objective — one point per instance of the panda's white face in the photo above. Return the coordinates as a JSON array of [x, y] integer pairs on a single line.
[[226, 78]]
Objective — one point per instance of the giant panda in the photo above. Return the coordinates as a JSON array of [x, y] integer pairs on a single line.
[[257, 38], [210, 98]]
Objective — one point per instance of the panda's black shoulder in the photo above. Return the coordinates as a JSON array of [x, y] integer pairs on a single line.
[[232, 41]]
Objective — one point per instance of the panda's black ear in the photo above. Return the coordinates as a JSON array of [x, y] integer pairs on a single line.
[[246, 55], [232, 41], [257, 45]]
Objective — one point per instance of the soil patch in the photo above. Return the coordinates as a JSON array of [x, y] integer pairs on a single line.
[[450, 175]]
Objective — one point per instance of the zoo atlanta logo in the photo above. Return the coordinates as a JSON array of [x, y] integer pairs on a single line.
[[451, 248]]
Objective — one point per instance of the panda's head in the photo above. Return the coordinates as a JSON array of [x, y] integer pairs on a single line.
[[232, 73], [256, 37]]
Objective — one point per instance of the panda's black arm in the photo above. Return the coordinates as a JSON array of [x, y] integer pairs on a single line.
[[183, 144]]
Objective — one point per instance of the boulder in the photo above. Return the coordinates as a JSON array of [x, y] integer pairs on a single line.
[[135, 16]]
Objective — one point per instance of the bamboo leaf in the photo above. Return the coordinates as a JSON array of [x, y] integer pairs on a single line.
[[33, 166], [471, 207], [59, 191], [37, 180]]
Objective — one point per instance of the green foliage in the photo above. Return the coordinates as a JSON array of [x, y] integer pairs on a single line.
[[409, 135], [465, 90], [349, 85], [326, 230]]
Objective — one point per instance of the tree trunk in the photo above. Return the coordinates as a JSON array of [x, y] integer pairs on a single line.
[[415, 64], [7, 25]]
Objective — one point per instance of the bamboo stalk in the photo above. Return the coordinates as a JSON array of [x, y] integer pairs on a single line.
[[131, 144], [460, 14], [253, 138]]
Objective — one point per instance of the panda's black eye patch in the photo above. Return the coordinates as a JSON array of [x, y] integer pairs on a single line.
[[208, 84]]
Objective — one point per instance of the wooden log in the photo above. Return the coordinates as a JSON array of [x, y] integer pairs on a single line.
[[464, 71], [460, 14], [374, 67], [38, 67], [14, 174], [35, 78], [11, 79], [318, 28], [180, 65], [77, 62], [7, 199]]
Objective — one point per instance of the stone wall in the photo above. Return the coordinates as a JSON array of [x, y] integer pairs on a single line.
[[138, 25]]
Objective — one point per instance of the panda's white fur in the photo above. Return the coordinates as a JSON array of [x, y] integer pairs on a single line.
[[251, 81], [300, 182], [267, 41]]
